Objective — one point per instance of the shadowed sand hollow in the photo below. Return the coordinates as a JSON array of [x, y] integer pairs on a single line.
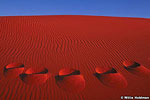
[[13, 70], [136, 68], [70, 80], [35, 76], [110, 77]]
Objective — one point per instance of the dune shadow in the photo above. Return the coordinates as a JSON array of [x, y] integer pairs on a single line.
[[136, 68], [72, 82], [13, 70], [35, 78], [111, 78]]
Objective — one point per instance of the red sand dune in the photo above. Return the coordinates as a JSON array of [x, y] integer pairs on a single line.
[[78, 42], [110, 77], [13, 70], [35, 76], [70, 80]]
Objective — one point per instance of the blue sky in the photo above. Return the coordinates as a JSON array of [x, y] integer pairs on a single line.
[[120, 8]]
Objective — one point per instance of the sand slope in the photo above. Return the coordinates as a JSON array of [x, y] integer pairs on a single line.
[[79, 42]]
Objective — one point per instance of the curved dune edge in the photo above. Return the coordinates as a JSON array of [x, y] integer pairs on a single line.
[[110, 78], [13, 70], [35, 76], [70, 80], [136, 68]]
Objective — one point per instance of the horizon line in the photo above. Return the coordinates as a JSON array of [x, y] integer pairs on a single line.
[[76, 15]]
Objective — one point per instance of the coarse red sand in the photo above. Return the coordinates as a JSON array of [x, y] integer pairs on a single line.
[[89, 44]]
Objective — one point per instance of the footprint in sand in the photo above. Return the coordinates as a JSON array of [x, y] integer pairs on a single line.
[[136, 68], [35, 76], [13, 70], [110, 77], [70, 80]]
